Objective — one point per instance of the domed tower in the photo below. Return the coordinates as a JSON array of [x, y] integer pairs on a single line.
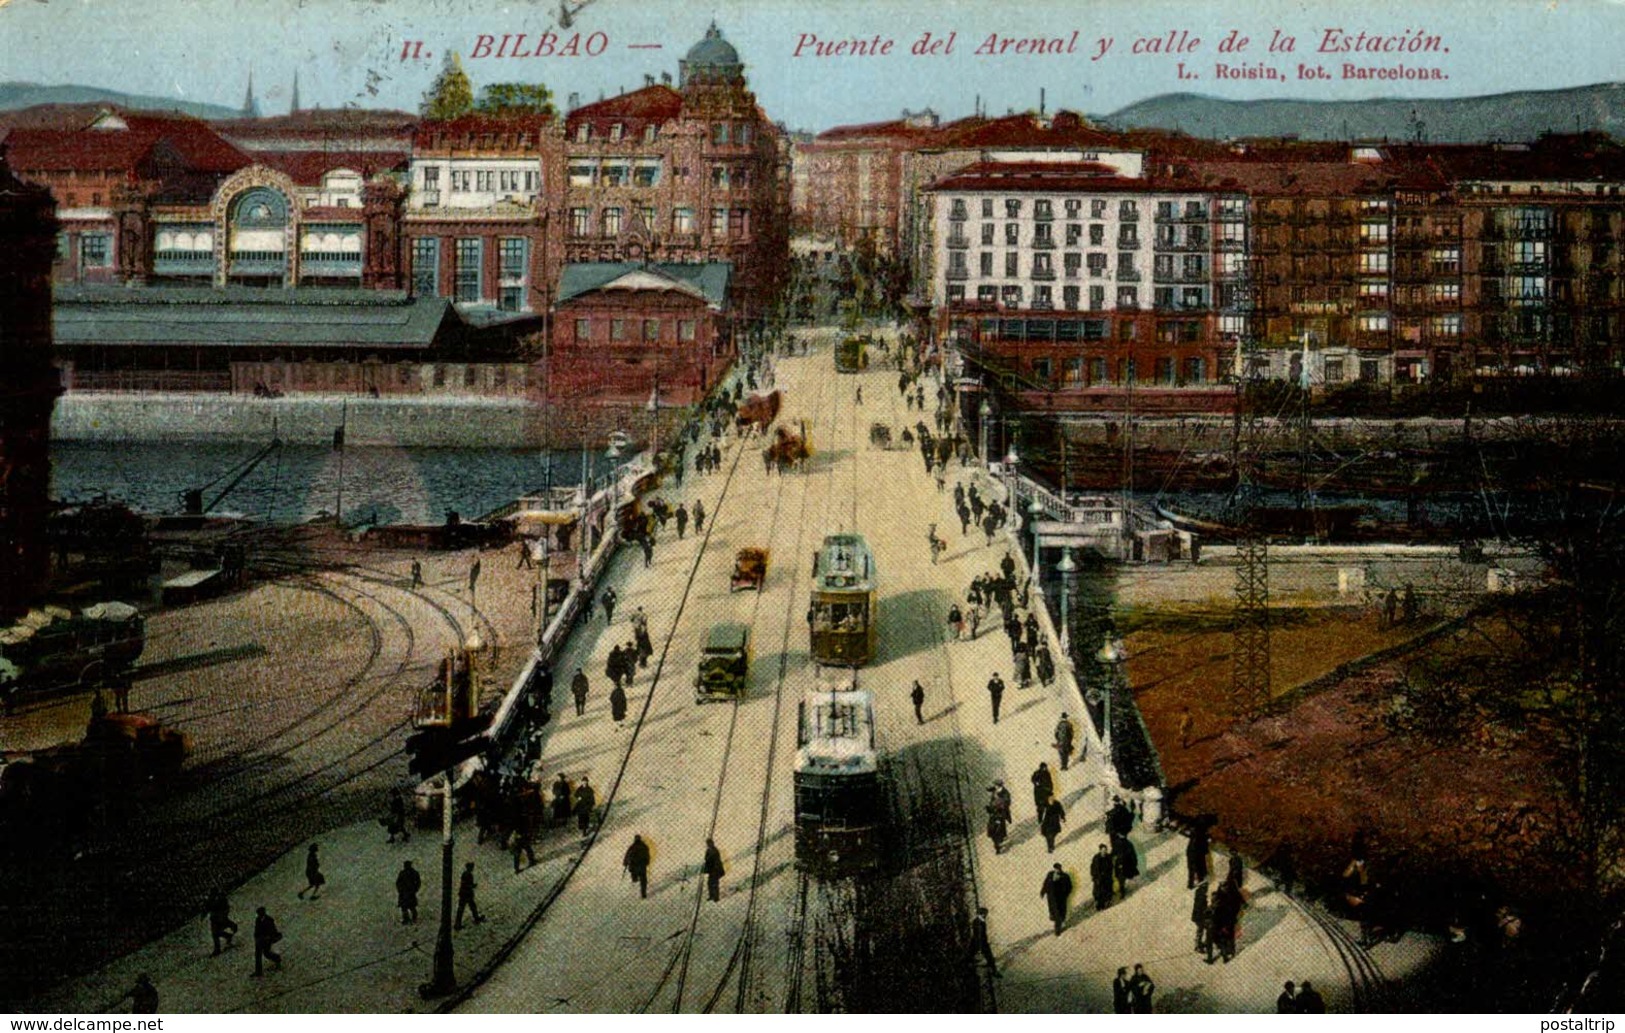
[[29, 386], [711, 62]]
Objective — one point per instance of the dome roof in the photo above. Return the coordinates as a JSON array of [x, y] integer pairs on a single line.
[[712, 52]]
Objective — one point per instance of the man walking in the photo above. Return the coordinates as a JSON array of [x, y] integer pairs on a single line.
[[1201, 913], [1056, 890], [465, 897], [617, 704], [314, 879], [608, 602], [636, 863], [995, 692], [586, 801], [1287, 1003], [682, 520], [1054, 817], [1196, 856], [1043, 788], [640, 635], [396, 822], [266, 936], [699, 517], [1063, 740], [1120, 992], [578, 689], [918, 699], [1140, 989], [221, 927], [979, 943], [1100, 877], [417, 574], [524, 827], [407, 884], [714, 871], [1125, 861]]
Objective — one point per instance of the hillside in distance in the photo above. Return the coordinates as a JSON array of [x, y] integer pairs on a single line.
[[1503, 116], [16, 95]]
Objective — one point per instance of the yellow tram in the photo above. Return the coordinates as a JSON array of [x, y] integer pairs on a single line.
[[842, 617]]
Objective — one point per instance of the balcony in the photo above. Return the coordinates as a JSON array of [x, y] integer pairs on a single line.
[[1044, 244], [1127, 276], [330, 263], [183, 263], [1128, 216], [1043, 215], [1178, 276], [1527, 268], [1128, 243], [429, 198], [958, 275], [957, 240], [1043, 274], [259, 263]]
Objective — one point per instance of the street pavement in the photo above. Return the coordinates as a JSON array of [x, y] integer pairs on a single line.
[[571, 932]]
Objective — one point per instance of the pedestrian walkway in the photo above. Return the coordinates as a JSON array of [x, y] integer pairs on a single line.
[[676, 772]]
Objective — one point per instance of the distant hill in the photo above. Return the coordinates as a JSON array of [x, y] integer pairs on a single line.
[[1502, 116], [14, 95]]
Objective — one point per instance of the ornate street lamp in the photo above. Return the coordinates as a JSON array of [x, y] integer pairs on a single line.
[[1035, 509], [1066, 568]]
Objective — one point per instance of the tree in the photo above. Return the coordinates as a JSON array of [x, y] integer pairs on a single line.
[[451, 95], [515, 98]]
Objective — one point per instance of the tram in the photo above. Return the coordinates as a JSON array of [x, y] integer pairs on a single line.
[[840, 805], [842, 616]]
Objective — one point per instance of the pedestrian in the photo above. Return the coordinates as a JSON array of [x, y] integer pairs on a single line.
[[1186, 723], [586, 801], [1201, 916], [407, 884], [1119, 819], [978, 505], [143, 996], [314, 879], [860, 395], [1056, 890], [995, 692], [1043, 788], [1140, 989], [714, 871], [1007, 567], [699, 516], [1100, 877], [682, 520], [998, 826], [956, 621], [579, 691], [989, 527], [524, 554], [1045, 665], [1120, 992], [1001, 796], [640, 634], [636, 863], [975, 618], [1031, 628], [1125, 862], [221, 927], [1054, 817], [1196, 855], [266, 937], [1063, 740], [979, 943], [608, 602], [1226, 919], [963, 512], [1390, 608], [1024, 667], [465, 897], [395, 822], [561, 800], [417, 574], [1287, 1003], [617, 704], [918, 699], [524, 827], [647, 544], [1309, 1000]]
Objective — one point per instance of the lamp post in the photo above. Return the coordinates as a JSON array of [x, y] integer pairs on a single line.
[[1035, 509], [983, 411], [1010, 461], [1066, 568], [1111, 654]]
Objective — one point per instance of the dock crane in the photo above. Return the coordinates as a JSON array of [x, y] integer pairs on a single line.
[[192, 499]]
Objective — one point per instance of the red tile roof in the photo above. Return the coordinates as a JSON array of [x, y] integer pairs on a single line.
[[1038, 176], [330, 121], [1305, 178], [1065, 129], [308, 167], [190, 140], [659, 103], [523, 132]]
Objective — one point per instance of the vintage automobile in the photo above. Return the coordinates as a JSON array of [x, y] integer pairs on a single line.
[[724, 664], [750, 569]]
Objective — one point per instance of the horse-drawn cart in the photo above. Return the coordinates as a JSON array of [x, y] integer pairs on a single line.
[[750, 569]]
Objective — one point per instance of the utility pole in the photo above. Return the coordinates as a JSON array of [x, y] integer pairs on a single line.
[[1250, 652]]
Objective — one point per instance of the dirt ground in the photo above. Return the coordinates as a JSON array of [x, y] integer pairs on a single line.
[[1452, 821]]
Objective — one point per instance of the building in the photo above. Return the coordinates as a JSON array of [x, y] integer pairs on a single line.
[[691, 174], [625, 332], [1072, 282], [28, 387]]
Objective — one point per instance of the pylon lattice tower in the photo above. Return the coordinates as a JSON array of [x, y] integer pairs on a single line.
[[1250, 648]]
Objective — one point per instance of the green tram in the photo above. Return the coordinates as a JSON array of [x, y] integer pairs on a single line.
[[842, 617], [852, 355]]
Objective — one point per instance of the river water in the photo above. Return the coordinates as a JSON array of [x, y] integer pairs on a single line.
[[299, 482]]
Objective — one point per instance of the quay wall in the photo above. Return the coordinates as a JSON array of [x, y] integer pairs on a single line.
[[396, 422]]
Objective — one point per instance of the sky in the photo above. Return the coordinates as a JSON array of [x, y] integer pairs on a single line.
[[349, 51]]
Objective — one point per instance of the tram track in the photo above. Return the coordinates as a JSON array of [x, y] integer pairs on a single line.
[[1367, 985]]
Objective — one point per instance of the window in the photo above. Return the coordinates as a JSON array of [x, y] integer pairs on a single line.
[[431, 177], [742, 133], [440, 376], [533, 181], [719, 222], [1011, 296], [1164, 371], [512, 252], [469, 373], [583, 173], [987, 294], [461, 181], [987, 207], [651, 329], [1097, 209], [740, 226], [957, 209], [1097, 298], [484, 182], [1097, 264], [615, 173], [1042, 297], [1195, 371], [617, 329], [583, 329], [1128, 235], [1128, 211], [987, 233], [1074, 234], [1097, 235], [1195, 266], [646, 216], [1042, 236], [1012, 233], [583, 132], [719, 133], [1373, 232], [1370, 370], [1012, 208], [682, 220], [1446, 261], [470, 251], [956, 265], [685, 330], [1043, 209], [719, 176], [1072, 371], [1528, 288], [616, 131], [1446, 326], [1069, 297], [1072, 264], [1074, 207], [1128, 297], [1446, 292], [580, 222], [1125, 265], [1195, 210], [1372, 323], [95, 250], [649, 134], [1192, 297], [1332, 371], [1374, 290], [1373, 261], [1042, 267], [1012, 266], [612, 222], [1529, 252], [1165, 209], [1097, 371], [426, 267], [987, 263]]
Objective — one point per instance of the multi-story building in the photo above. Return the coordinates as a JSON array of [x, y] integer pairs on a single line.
[[1072, 281], [477, 221], [694, 174]]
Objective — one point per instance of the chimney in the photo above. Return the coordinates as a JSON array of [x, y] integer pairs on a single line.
[[648, 80], [575, 101], [665, 78], [1041, 101]]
